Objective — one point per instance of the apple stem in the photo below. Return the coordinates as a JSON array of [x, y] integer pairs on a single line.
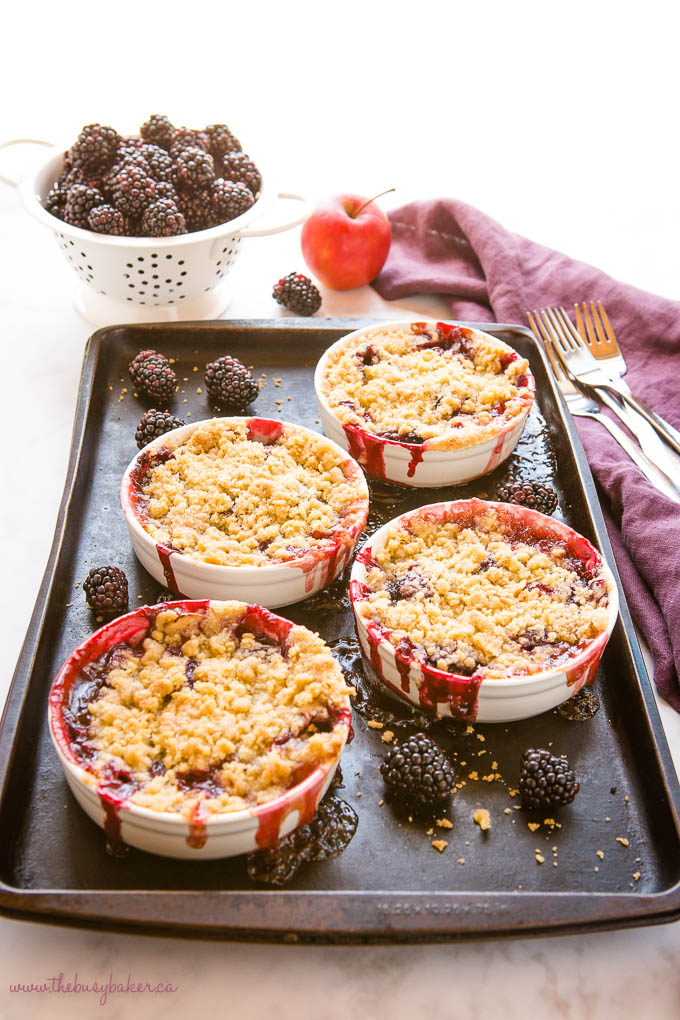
[[369, 200]]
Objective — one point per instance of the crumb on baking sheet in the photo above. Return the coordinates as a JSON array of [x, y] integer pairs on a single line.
[[444, 823], [440, 845], [373, 725], [387, 736], [622, 840], [482, 818]]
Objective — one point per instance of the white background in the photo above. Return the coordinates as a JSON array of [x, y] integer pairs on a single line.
[[558, 120]]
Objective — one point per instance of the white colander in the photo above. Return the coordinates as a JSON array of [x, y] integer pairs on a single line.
[[142, 279]]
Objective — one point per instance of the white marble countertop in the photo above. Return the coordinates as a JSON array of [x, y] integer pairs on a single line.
[[619, 211]]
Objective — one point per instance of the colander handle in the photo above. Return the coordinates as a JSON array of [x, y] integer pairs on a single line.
[[263, 231], [21, 141]]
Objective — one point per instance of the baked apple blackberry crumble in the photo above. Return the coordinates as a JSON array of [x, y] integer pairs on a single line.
[[249, 492], [219, 703], [477, 590], [447, 385]]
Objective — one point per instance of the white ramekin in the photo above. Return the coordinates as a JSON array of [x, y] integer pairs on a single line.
[[147, 279], [272, 586], [495, 699], [417, 465], [169, 833]]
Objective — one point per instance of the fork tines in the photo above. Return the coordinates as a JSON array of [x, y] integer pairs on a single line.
[[595, 328]]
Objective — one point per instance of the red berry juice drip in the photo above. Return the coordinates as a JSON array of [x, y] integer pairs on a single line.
[[164, 555], [271, 816], [367, 449], [198, 830]]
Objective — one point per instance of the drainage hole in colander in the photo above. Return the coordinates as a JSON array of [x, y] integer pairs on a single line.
[[140, 258]]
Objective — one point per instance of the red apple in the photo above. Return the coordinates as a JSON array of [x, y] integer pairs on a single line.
[[346, 240]]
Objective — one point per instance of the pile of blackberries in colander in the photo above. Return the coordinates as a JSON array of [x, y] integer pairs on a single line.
[[162, 182]]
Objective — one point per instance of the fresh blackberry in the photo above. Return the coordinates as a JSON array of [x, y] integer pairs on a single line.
[[221, 140], [69, 176], [236, 166], [546, 781], [185, 138], [151, 372], [229, 382], [158, 130], [194, 168], [228, 200], [164, 189], [154, 424], [106, 590], [418, 771], [297, 293], [132, 190], [161, 165], [197, 209], [107, 220], [80, 201], [531, 494], [163, 219], [95, 148], [55, 201]]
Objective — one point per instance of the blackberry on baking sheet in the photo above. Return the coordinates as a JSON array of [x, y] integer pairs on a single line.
[[228, 381], [228, 200], [297, 293], [418, 771], [106, 590], [158, 130], [531, 494], [154, 424], [545, 780], [152, 374], [95, 148], [237, 166], [163, 219]]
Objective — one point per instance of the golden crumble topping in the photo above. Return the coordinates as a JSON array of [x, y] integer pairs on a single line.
[[214, 707], [221, 496], [483, 595], [449, 385]]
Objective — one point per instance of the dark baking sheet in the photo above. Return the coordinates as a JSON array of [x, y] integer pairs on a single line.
[[390, 883]]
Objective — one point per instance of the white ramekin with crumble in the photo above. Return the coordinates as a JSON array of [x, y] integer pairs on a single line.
[[479, 610], [200, 729], [424, 403], [246, 508]]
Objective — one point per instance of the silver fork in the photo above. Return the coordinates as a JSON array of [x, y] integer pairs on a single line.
[[596, 331], [585, 371], [585, 407]]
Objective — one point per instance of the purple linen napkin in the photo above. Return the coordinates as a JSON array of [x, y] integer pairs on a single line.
[[447, 247]]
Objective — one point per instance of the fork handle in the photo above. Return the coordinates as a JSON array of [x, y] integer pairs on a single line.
[[649, 469], [659, 424]]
